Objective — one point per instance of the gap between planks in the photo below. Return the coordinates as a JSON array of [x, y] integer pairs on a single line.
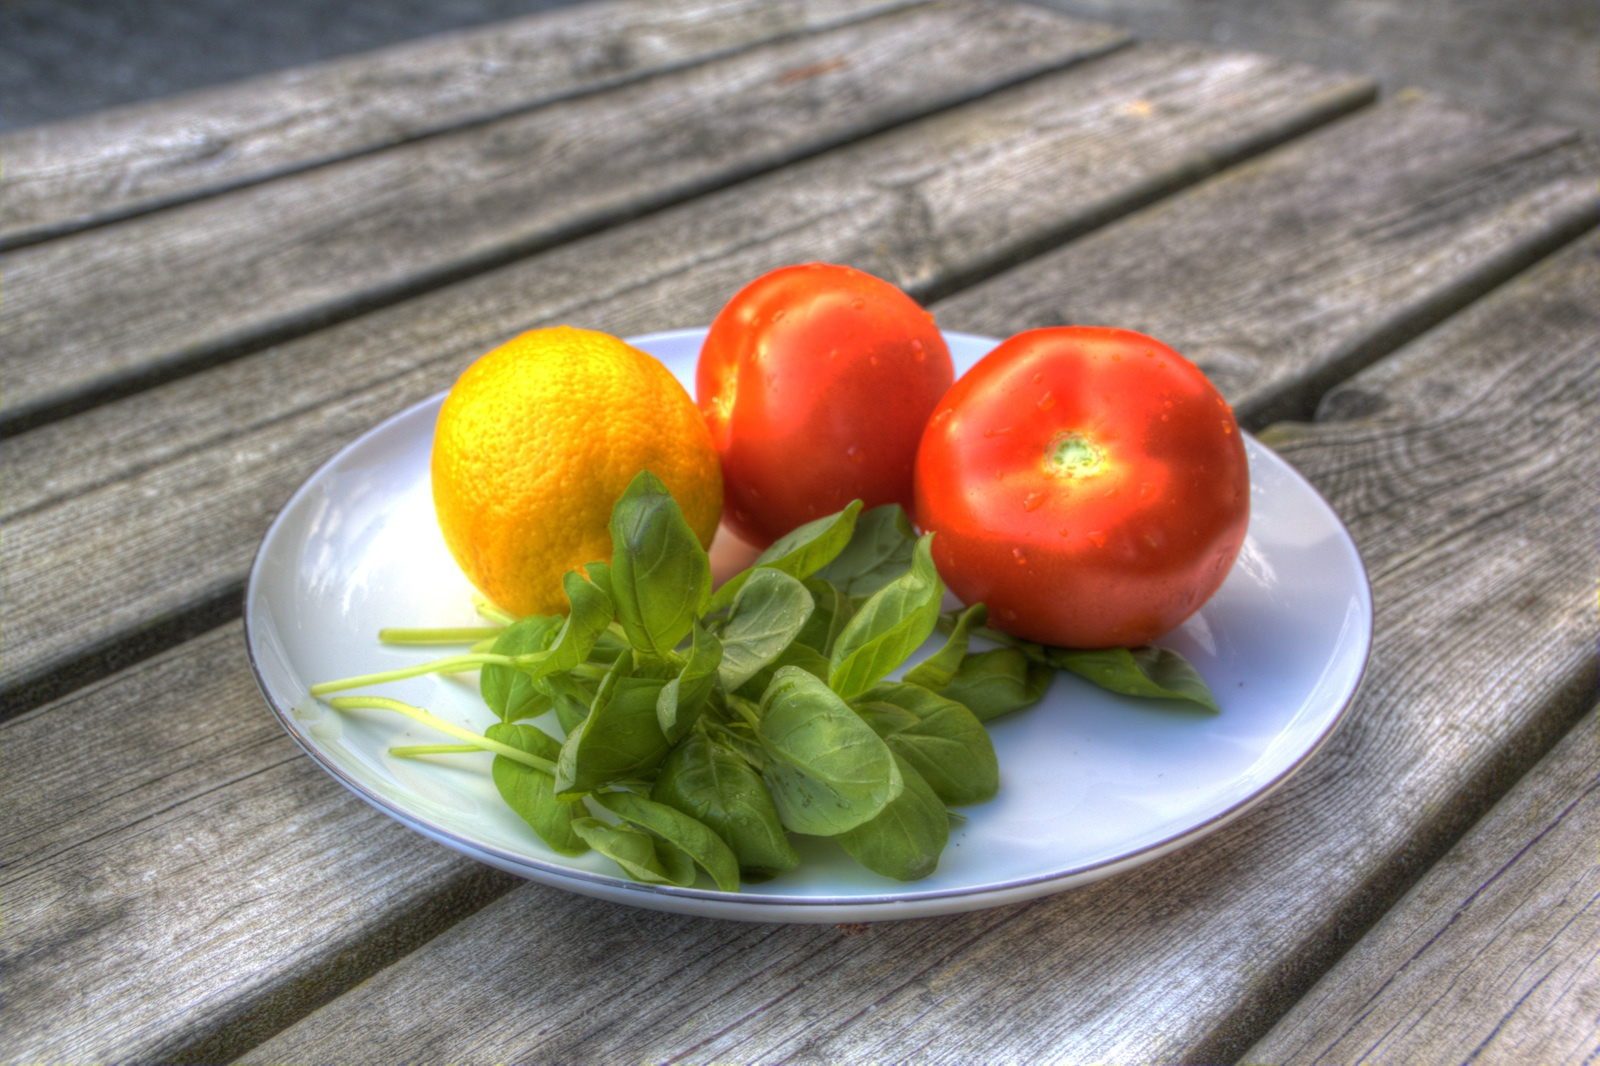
[[1491, 955]]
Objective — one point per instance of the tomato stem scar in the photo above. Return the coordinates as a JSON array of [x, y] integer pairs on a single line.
[[1072, 455]]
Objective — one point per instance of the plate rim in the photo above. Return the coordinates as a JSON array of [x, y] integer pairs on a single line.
[[744, 905]]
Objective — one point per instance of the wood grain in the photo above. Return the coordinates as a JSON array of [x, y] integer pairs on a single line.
[[221, 450], [1513, 57], [169, 882], [1476, 524], [1492, 957], [956, 195], [72, 175], [152, 296], [1286, 275]]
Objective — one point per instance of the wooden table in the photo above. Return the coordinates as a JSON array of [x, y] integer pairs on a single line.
[[206, 297]]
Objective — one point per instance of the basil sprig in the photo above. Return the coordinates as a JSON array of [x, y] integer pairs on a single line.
[[688, 734]]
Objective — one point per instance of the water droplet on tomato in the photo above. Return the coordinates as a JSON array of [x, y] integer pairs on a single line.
[[1064, 532], [872, 360], [1097, 538], [1227, 427], [1008, 614], [1019, 556], [833, 353], [777, 316], [1164, 418], [998, 431], [1038, 378], [855, 454], [918, 354], [859, 304], [1047, 401], [1032, 501], [1147, 490]]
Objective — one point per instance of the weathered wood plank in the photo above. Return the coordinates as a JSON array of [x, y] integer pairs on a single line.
[[1476, 523], [1511, 57], [947, 197], [1492, 956], [154, 295], [952, 196], [166, 872], [1288, 274], [72, 175]]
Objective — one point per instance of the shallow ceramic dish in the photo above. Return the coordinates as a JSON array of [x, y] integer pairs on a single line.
[[1091, 783]]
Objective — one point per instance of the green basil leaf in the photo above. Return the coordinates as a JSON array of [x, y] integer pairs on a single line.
[[712, 783], [641, 856], [570, 697], [679, 830], [590, 616], [906, 838], [1154, 673], [599, 574], [888, 627], [827, 770], [608, 646], [509, 692], [880, 549], [769, 610], [808, 659], [799, 553], [531, 793], [684, 697], [833, 612], [1145, 671], [997, 682], [543, 649], [936, 671], [620, 740], [940, 738], [660, 575]]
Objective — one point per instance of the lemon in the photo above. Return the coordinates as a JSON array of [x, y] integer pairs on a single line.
[[535, 442]]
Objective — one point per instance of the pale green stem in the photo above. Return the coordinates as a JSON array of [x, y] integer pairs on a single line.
[[490, 611], [745, 710], [460, 635], [450, 665], [383, 703], [414, 750]]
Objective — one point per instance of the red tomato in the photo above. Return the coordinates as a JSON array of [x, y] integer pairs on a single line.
[[1088, 484], [817, 381]]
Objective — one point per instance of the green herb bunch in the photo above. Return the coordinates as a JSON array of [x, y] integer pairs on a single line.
[[699, 729]]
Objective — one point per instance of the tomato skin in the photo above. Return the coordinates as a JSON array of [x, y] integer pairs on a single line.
[[816, 381], [1088, 484]]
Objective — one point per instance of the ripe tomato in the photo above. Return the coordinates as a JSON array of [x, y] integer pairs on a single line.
[[817, 381], [1088, 484]]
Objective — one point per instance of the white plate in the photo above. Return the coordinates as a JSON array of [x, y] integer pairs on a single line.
[[1091, 783]]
